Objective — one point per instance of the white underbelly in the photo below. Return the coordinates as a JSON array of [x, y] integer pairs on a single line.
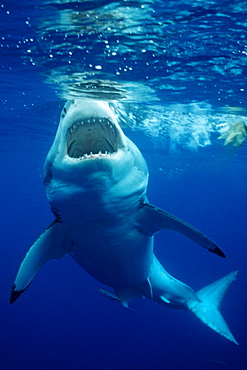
[[118, 257]]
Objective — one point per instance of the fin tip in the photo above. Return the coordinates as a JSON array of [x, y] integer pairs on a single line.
[[15, 294], [218, 251]]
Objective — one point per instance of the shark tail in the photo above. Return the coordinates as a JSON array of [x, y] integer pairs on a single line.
[[208, 305]]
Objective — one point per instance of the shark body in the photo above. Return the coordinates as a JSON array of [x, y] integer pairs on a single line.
[[96, 181]]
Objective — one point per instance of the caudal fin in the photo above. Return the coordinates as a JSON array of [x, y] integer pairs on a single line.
[[207, 308]]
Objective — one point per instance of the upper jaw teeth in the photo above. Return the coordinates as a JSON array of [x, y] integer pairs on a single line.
[[100, 134], [74, 127]]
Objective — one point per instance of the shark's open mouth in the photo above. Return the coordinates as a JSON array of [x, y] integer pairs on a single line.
[[94, 137]]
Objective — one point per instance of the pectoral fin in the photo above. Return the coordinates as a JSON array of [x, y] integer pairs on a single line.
[[51, 244], [152, 219]]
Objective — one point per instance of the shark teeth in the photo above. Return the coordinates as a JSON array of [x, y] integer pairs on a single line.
[[92, 138], [89, 121], [93, 155]]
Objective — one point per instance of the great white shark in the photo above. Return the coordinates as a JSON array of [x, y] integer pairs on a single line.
[[96, 181]]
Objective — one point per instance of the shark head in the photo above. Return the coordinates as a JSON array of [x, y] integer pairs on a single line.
[[90, 153], [88, 130]]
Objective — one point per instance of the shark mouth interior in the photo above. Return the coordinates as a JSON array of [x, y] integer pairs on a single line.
[[94, 137]]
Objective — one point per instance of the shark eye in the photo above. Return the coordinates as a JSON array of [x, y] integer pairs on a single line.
[[67, 107]]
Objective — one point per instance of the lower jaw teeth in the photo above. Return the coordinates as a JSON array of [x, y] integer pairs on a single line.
[[95, 155]]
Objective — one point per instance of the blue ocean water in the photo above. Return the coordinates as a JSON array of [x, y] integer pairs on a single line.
[[175, 74]]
